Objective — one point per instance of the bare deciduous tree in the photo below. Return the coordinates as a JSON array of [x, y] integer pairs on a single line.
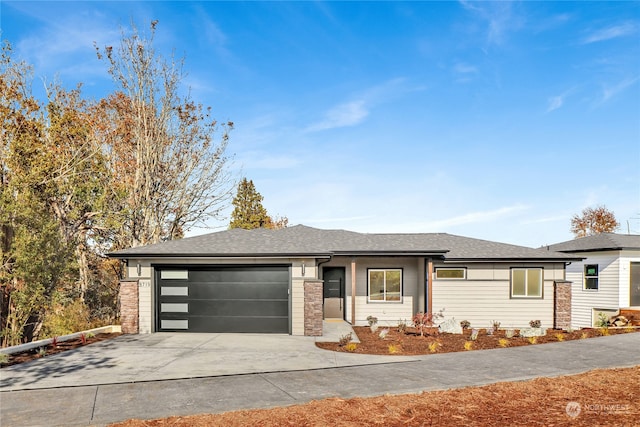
[[175, 172]]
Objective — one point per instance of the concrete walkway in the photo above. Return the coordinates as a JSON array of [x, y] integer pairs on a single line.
[[62, 393]]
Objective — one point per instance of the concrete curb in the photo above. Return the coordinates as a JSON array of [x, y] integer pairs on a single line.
[[41, 343]]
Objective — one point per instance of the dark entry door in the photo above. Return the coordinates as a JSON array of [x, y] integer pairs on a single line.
[[334, 278], [223, 299], [635, 284]]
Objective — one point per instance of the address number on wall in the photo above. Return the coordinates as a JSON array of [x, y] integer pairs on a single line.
[[144, 283]]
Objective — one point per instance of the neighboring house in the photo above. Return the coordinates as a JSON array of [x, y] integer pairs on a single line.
[[288, 280], [608, 278]]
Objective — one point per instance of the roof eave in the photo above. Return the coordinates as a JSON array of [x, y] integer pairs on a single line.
[[513, 259], [392, 253], [219, 255], [597, 250]]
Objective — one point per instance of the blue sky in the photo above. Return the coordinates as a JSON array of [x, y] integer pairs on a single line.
[[494, 120]]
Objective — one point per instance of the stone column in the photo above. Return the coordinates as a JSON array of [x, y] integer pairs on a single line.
[[313, 308], [129, 306], [561, 304]]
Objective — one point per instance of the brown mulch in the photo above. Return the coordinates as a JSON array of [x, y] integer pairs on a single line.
[[605, 398], [27, 356], [412, 343]]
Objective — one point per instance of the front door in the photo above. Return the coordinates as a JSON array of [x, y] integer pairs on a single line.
[[635, 285], [333, 292]]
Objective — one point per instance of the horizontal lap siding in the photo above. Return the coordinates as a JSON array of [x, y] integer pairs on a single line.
[[482, 302], [625, 276], [146, 309], [484, 297], [606, 297], [389, 314], [297, 306]]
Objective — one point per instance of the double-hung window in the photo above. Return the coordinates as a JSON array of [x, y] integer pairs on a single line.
[[591, 277], [526, 282], [385, 285]]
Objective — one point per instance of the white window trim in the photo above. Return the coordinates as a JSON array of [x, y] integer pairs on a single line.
[[384, 301], [526, 284], [585, 277], [464, 273]]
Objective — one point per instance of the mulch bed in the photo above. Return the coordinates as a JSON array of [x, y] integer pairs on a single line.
[[597, 398], [412, 343], [29, 355]]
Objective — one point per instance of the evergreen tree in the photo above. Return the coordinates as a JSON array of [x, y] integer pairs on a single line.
[[248, 212]]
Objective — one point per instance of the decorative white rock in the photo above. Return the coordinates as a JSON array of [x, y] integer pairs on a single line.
[[533, 332], [450, 326]]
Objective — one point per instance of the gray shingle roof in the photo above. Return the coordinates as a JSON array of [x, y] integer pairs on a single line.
[[307, 241], [597, 242]]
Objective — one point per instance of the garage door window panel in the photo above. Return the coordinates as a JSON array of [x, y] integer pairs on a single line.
[[225, 299]]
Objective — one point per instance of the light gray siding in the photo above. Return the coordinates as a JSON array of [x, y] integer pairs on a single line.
[[388, 313], [485, 296]]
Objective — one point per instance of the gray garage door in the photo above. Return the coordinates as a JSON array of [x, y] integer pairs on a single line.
[[223, 299]]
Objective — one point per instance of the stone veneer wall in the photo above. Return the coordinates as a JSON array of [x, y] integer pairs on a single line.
[[313, 308], [562, 304], [129, 306]]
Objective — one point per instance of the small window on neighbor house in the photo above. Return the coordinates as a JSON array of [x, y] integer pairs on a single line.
[[591, 276], [451, 273], [526, 282], [385, 285]]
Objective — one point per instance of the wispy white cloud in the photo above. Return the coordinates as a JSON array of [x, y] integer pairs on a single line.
[[261, 160], [329, 220], [612, 32], [478, 217], [459, 221], [499, 16], [464, 72], [547, 219], [348, 114], [356, 110], [609, 92], [551, 22], [557, 101], [463, 68]]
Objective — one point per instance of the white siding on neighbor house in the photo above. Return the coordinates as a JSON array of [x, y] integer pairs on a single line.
[[613, 284], [585, 301], [627, 257], [485, 296]]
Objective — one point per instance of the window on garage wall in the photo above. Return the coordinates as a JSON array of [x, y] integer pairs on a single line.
[[526, 282], [451, 273]]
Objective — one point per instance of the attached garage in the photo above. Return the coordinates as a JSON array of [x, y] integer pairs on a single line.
[[223, 299]]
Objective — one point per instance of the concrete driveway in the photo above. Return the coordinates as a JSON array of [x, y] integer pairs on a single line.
[[164, 356], [287, 377]]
